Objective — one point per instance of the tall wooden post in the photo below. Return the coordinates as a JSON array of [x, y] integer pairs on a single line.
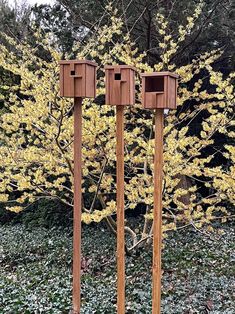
[[77, 205], [120, 212], [159, 92], [78, 81], [120, 92], [157, 223]]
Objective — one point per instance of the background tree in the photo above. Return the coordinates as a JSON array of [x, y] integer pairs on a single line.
[[14, 19], [214, 29], [37, 134]]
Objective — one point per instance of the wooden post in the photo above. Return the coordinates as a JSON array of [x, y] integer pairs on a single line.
[[120, 92], [78, 81], [157, 223], [77, 205], [120, 212], [159, 92]]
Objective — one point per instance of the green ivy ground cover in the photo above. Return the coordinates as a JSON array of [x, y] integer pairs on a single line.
[[35, 277]]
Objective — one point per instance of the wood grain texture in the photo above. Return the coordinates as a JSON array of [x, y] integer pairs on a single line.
[[77, 79], [157, 224], [90, 81], [120, 212], [77, 205], [159, 90], [120, 91]]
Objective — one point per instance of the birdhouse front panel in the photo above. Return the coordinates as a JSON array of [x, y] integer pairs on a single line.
[[90, 81], [159, 90], [172, 86], [120, 85], [77, 78]]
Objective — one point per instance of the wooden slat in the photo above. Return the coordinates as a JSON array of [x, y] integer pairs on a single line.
[[157, 224], [120, 212], [77, 205]]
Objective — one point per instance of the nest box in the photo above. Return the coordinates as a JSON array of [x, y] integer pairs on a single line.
[[159, 90], [120, 85], [77, 78]]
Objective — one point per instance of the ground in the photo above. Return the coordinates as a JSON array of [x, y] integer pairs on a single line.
[[35, 277]]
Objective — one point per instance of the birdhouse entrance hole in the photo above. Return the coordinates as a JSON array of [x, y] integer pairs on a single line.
[[117, 76], [72, 72], [154, 84]]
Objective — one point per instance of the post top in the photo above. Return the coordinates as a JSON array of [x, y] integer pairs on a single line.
[[78, 62], [125, 66], [160, 74]]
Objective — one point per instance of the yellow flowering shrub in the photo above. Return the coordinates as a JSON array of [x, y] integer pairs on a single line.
[[37, 133]]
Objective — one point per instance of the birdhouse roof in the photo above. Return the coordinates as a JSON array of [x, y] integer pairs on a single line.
[[116, 67], [78, 62], [160, 74]]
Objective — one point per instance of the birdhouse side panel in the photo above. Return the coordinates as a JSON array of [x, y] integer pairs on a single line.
[[61, 80], [143, 100], [90, 81], [176, 91], [132, 87], [172, 91], [107, 87]]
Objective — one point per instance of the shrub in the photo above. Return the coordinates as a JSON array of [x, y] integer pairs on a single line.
[[37, 133]]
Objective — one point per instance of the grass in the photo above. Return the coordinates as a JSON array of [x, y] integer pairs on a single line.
[[35, 274]]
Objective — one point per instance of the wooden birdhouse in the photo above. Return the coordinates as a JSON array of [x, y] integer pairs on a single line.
[[120, 85], [78, 78], [159, 90]]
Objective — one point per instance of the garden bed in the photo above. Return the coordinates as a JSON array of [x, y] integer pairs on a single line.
[[35, 274]]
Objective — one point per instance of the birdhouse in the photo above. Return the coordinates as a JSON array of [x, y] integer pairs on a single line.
[[159, 90], [120, 85], [77, 78]]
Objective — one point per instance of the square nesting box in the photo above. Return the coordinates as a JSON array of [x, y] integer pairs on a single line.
[[159, 90], [77, 78], [120, 85]]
